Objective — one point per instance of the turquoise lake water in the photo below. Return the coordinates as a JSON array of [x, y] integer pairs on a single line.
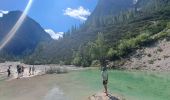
[[132, 85]]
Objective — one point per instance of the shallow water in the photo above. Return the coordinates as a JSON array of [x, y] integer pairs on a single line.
[[132, 85], [55, 94]]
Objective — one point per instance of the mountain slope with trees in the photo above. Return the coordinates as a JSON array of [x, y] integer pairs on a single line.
[[63, 49], [127, 25]]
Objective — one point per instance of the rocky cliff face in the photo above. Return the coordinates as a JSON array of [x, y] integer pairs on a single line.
[[155, 57]]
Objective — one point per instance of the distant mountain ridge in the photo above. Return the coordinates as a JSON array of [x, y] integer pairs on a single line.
[[29, 35]]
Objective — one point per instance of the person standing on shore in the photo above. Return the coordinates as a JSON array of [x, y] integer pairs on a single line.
[[33, 70], [30, 70], [22, 70], [18, 71], [104, 74], [9, 71]]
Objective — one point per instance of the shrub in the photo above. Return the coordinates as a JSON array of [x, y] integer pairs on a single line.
[[151, 61], [61, 63], [77, 61], [112, 52], [168, 25], [159, 49], [85, 63], [95, 63], [127, 45], [160, 35], [56, 70], [149, 55], [157, 27]]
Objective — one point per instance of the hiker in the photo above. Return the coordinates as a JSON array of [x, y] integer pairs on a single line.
[[30, 70], [33, 70], [22, 70], [18, 71], [9, 71], [104, 74]]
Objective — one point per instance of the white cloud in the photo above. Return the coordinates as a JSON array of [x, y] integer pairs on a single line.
[[1, 15], [54, 35], [135, 1], [80, 13], [2, 12]]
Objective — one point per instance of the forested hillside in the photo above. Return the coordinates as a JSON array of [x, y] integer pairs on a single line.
[[122, 29]]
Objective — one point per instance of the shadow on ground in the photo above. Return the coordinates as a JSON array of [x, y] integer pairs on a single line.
[[112, 97]]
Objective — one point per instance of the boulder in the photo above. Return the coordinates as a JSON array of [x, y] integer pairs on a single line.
[[102, 96]]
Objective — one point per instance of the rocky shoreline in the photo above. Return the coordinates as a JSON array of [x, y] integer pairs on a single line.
[[102, 96], [39, 69]]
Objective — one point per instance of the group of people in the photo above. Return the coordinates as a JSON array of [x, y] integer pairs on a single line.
[[20, 70], [31, 70]]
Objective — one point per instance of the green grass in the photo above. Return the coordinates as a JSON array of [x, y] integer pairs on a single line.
[[132, 85]]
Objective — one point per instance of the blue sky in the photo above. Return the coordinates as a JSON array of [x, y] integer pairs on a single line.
[[58, 15]]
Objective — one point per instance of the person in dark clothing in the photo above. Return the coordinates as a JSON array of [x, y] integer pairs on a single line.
[[30, 70], [33, 70], [9, 71], [18, 71], [22, 70]]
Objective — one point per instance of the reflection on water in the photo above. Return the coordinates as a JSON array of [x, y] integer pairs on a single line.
[[55, 94]]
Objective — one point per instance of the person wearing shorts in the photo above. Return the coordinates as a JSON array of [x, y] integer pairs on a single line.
[[104, 75]]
